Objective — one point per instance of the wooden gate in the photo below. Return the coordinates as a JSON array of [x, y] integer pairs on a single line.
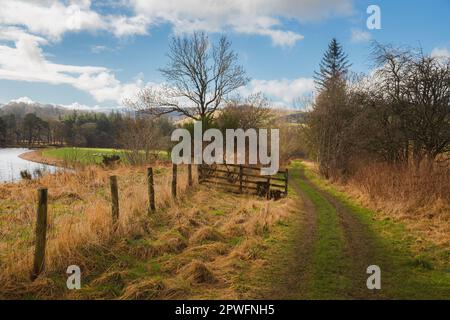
[[244, 178]]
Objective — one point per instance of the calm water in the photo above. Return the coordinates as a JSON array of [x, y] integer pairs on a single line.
[[11, 165]]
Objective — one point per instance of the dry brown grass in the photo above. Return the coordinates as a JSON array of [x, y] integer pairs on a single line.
[[191, 247], [419, 196], [79, 215]]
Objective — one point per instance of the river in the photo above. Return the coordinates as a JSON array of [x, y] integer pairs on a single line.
[[11, 165]]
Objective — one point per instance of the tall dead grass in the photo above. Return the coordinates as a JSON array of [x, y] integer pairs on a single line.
[[199, 242], [420, 195], [79, 215]]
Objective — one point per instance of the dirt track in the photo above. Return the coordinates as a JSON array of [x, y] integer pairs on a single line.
[[295, 269], [295, 277], [359, 246]]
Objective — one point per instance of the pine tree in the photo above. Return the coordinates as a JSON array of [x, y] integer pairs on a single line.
[[332, 115], [333, 67]]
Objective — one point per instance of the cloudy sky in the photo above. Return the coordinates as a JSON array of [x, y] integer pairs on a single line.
[[96, 53]]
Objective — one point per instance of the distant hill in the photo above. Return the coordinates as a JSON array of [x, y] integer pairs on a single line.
[[22, 106], [294, 117], [174, 116], [47, 111]]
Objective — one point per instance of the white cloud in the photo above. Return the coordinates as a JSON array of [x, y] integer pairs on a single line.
[[25, 61], [360, 36], [123, 26], [53, 18], [281, 91], [83, 107], [261, 17], [440, 53]]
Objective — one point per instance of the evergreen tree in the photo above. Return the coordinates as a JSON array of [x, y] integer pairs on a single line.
[[332, 115], [333, 67]]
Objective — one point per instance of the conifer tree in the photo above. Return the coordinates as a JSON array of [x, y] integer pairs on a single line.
[[333, 67]]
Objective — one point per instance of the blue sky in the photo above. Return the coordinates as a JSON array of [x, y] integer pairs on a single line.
[[96, 53]]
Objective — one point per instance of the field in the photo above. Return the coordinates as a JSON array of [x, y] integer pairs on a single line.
[[90, 156]]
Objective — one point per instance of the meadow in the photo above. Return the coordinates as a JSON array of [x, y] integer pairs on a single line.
[[92, 156]]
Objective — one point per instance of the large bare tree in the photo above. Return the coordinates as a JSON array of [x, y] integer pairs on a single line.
[[416, 88], [199, 76]]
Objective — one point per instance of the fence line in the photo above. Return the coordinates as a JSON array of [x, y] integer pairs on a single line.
[[206, 174]]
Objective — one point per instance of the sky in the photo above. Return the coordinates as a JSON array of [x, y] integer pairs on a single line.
[[95, 54]]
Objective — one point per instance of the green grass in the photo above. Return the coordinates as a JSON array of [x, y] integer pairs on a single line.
[[88, 156], [411, 276], [329, 262]]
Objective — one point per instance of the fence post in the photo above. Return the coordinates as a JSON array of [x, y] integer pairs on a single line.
[[190, 175], [174, 180], [151, 190], [241, 171], [114, 200], [286, 177], [41, 232]]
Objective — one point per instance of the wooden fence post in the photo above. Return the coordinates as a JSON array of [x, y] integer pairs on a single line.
[[151, 190], [41, 232], [241, 171], [190, 175], [174, 180], [114, 200], [286, 176]]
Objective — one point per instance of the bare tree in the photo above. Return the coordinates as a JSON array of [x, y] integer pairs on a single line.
[[251, 112], [143, 139], [416, 87], [199, 76]]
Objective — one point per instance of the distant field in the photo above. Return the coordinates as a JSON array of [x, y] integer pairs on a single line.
[[88, 155]]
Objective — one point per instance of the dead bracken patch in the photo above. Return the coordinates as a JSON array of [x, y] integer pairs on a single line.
[[206, 234], [115, 278], [66, 195], [197, 272], [144, 290]]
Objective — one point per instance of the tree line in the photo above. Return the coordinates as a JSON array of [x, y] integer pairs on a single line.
[[82, 129], [398, 114]]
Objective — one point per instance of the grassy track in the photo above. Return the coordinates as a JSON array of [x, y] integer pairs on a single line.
[[407, 275], [328, 260], [347, 239]]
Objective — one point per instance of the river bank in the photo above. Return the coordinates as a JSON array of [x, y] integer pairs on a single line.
[[36, 156]]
